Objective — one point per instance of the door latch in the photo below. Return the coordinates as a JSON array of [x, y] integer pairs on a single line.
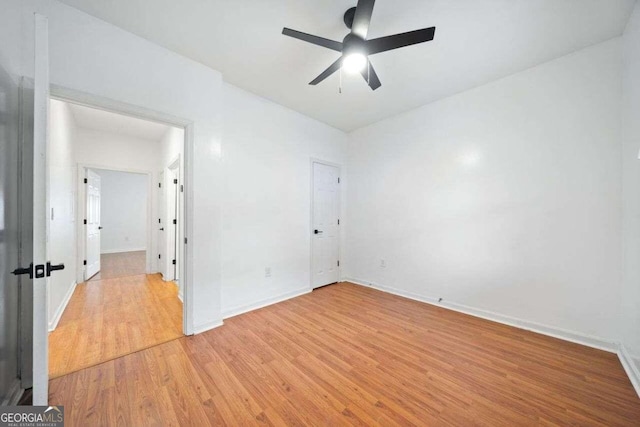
[[37, 271]]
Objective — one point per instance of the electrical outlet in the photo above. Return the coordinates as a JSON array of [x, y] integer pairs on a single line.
[[267, 272], [383, 263]]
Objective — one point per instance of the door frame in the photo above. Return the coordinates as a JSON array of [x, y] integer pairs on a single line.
[[119, 107], [81, 214], [172, 166], [313, 161]]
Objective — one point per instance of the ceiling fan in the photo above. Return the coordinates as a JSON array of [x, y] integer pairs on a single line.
[[355, 47]]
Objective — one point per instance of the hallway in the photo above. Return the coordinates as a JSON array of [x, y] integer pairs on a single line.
[[110, 318]]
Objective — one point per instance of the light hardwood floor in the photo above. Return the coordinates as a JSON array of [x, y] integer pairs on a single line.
[[121, 264], [113, 317], [349, 355]]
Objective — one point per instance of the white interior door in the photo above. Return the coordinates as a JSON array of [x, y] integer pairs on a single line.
[[40, 210], [325, 233], [93, 223]]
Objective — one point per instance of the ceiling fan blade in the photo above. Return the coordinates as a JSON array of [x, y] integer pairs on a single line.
[[319, 41], [326, 73], [396, 41], [362, 18], [370, 76]]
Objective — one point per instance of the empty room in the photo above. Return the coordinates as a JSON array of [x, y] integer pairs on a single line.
[[348, 212]]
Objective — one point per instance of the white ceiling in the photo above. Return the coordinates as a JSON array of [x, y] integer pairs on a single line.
[[477, 41], [105, 121]]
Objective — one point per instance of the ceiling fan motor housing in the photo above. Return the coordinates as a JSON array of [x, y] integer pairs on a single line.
[[348, 17], [353, 44]]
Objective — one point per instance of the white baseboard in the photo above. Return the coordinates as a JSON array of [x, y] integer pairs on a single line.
[[563, 334], [119, 251], [198, 329], [53, 323], [263, 303], [630, 367]]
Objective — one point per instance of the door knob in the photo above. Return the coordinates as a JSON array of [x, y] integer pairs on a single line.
[[99, 228], [162, 229], [317, 232], [51, 268]]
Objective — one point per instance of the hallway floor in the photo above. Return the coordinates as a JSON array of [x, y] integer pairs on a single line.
[[121, 264], [110, 318]]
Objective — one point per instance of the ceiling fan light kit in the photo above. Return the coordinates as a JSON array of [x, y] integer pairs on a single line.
[[355, 49]]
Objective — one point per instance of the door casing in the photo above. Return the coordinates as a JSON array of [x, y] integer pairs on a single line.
[[107, 104]]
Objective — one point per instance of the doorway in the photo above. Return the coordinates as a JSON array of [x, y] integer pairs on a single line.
[[117, 229], [104, 168], [325, 224]]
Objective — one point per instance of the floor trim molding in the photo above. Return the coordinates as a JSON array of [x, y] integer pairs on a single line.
[[53, 323], [629, 367], [120, 251], [563, 334], [263, 303], [204, 327]]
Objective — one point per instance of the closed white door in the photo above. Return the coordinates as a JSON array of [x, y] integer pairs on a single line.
[[325, 232], [93, 223]]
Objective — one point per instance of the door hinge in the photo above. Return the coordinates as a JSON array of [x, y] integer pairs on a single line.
[[181, 188], [185, 240], [86, 180], [175, 181], [85, 222], [338, 221], [338, 180], [175, 221], [173, 262], [159, 257], [159, 185], [338, 263], [84, 262], [159, 221]]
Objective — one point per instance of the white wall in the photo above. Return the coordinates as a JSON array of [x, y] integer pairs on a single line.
[[123, 211], [98, 148], [96, 58], [505, 198], [630, 309], [267, 199], [62, 222]]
